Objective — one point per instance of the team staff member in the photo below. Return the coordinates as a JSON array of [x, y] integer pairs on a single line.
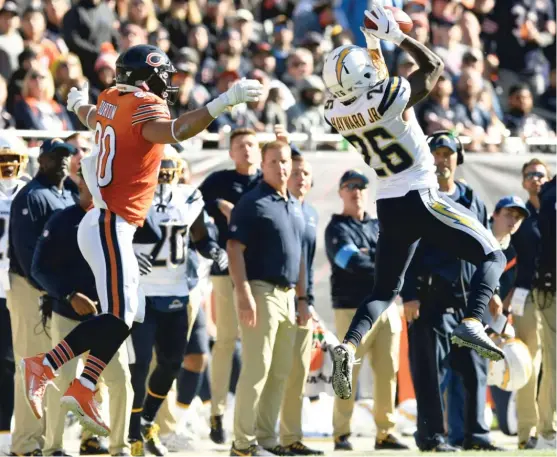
[[266, 264], [526, 320], [291, 434], [544, 298], [351, 241], [221, 191], [435, 294], [59, 267], [47, 192]]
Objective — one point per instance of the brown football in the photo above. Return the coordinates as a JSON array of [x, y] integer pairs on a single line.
[[403, 20]]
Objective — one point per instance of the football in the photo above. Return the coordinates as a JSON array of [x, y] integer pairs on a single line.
[[403, 20]]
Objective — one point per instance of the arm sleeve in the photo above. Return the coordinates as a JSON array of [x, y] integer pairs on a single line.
[[206, 189], [242, 220], [345, 254], [45, 267]]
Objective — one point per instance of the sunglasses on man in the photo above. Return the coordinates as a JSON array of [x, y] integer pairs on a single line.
[[534, 174], [355, 185]]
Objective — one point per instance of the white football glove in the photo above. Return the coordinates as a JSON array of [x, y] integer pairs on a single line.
[[387, 27], [245, 90], [78, 97]]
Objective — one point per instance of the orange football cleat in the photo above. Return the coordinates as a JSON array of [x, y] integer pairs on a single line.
[[36, 377], [81, 401]]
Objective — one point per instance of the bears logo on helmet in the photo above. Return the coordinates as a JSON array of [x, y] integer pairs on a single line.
[[155, 59]]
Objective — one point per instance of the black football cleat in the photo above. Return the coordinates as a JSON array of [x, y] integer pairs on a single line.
[[299, 448], [92, 446], [480, 445], [279, 450], [217, 434], [254, 449], [342, 443], [390, 442], [471, 334], [150, 433]]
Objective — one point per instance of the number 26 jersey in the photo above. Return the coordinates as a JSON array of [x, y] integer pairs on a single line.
[[396, 149]]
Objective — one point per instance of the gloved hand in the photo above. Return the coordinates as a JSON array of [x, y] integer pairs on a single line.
[[220, 257], [78, 97], [245, 90], [387, 27], [144, 262]]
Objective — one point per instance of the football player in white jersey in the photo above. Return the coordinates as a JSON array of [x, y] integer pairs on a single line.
[[376, 116], [13, 160], [178, 210]]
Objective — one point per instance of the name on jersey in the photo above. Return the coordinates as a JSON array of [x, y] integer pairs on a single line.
[[355, 121], [107, 110]]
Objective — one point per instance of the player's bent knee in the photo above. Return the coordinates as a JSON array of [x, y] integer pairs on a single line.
[[195, 363]]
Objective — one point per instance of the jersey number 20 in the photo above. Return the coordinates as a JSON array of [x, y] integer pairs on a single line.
[[394, 157], [105, 141]]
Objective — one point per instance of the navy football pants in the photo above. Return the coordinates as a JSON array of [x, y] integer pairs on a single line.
[[427, 214]]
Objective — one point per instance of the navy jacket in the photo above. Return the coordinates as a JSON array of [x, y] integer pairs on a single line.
[[432, 266], [546, 223], [309, 242], [31, 209], [226, 185], [508, 278], [526, 241], [352, 270]]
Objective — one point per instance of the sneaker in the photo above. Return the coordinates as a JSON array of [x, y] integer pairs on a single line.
[[390, 442], [343, 361], [545, 442], [299, 448], [471, 334], [81, 401], [176, 442], [5, 443], [530, 444], [254, 449], [92, 446], [36, 377], [217, 434], [150, 433], [342, 443], [137, 447], [279, 450]]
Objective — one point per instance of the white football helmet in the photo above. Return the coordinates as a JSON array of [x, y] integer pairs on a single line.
[[514, 371], [13, 159], [348, 71]]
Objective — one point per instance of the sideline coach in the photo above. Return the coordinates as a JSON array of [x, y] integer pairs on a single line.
[[266, 264]]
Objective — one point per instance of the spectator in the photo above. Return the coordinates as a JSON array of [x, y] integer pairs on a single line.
[[308, 114], [198, 39], [520, 120], [131, 35], [70, 285], [87, 25], [351, 243], [45, 194], [215, 15], [314, 43], [161, 39], [283, 36], [471, 28], [470, 119], [420, 31], [33, 28], [243, 22], [27, 59], [54, 12], [191, 95], [11, 43], [446, 41], [82, 146], [263, 58], [105, 69], [37, 109], [315, 19], [275, 9], [267, 219], [178, 19], [229, 53], [298, 65], [221, 191], [142, 13], [548, 102], [264, 114], [6, 119], [436, 112]]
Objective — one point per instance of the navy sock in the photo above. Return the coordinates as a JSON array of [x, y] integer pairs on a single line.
[[189, 383]]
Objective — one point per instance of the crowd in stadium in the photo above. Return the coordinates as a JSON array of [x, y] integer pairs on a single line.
[[498, 82]]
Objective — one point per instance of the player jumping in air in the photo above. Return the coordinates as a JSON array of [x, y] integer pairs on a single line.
[[375, 115], [132, 124]]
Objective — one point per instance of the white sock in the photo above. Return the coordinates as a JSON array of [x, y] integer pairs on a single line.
[[181, 412], [87, 383], [146, 422], [46, 363]]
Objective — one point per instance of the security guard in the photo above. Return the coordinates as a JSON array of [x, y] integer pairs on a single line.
[[434, 295], [268, 271], [59, 267], [351, 241], [221, 191], [544, 298], [49, 191]]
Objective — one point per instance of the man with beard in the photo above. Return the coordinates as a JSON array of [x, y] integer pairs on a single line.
[[308, 114]]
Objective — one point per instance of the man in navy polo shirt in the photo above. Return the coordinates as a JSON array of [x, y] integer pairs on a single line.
[[266, 265], [49, 191]]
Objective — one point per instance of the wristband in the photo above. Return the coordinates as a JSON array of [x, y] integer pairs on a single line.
[[217, 106], [70, 296]]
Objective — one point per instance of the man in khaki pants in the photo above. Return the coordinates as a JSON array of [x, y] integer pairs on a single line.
[[46, 193], [526, 317], [266, 264], [221, 191], [59, 267], [351, 240]]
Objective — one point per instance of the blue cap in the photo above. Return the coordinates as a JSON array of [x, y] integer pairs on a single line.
[[512, 201], [353, 174], [444, 140], [56, 144]]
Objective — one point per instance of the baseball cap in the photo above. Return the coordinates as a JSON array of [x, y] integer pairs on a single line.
[[512, 201], [10, 7], [243, 15], [56, 144], [353, 174], [443, 141]]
